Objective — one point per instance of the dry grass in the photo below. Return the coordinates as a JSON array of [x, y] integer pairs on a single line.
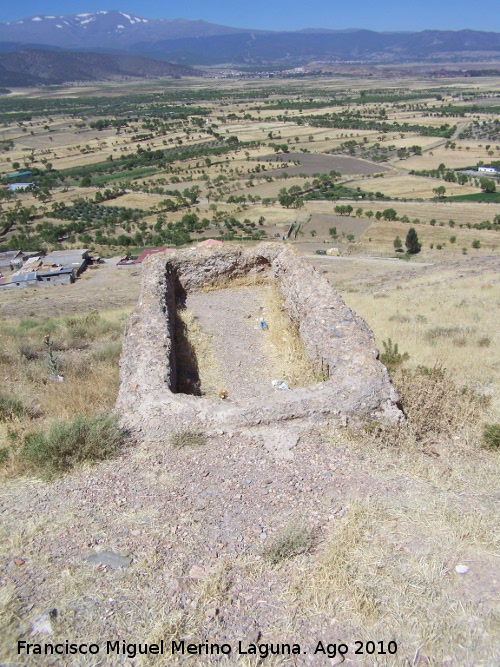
[[225, 282], [401, 184], [392, 568], [387, 566], [454, 159], [114, 292], [11, 626], [435, 406], [181, 439], [190, 624], [284, 345], [443, 319], [197, 366], [295, 539], [84, 354]]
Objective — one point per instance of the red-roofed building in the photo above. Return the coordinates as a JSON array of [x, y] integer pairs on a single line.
[[146, 253]]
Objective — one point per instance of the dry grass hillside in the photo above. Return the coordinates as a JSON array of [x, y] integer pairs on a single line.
[[358, 537]]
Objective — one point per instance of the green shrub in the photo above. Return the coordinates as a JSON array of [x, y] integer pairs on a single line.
[[52, 359], [292, 541], [491, 436], [109, 353], [476, 243], [67, 443], [391, 357], [27, 324], [412, 243]]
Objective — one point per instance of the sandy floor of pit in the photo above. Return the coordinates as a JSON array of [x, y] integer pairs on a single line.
[[232, 318]]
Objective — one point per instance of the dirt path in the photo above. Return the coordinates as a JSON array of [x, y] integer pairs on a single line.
[[232, 318]]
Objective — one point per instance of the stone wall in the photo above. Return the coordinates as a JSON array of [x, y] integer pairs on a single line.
[[340, 343]]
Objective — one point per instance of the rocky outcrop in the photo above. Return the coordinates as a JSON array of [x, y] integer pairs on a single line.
[[357, 389]]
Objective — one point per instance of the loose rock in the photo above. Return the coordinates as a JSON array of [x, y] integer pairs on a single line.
[[109, 559]]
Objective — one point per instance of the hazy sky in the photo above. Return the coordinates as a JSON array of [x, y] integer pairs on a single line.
[[287, 14]]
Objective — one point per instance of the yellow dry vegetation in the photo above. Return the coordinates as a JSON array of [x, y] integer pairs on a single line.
[[196, 358], [284, 346], [448, 317], [404, 185]]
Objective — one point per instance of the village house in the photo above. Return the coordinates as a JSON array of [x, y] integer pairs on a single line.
[[11, 259], [13, 187], [487, 170], [56, 276], [60, 267], [77, 259], [18, 281], [19, 175]]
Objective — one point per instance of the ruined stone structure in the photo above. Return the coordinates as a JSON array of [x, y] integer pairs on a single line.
[[339, 343]]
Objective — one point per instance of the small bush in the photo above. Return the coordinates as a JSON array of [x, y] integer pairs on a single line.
[[28, 352], [491, 436], [11, 407], [52, 360], [434, 405], [434, 334], [402, 319], [187, 438], [27, 324], [109, 353], [68, 443], [79, 333], [461, 341], [476, 243], [484, 341], [291, 542], [391, 357]]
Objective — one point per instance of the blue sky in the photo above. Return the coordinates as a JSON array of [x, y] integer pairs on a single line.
[[286, 15]]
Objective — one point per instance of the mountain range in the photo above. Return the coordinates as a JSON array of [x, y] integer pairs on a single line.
[[202, 43]]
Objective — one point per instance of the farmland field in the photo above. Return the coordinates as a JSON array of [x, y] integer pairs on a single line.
[[314, 163]]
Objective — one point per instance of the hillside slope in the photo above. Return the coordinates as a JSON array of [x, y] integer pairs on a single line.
[[35, 67]]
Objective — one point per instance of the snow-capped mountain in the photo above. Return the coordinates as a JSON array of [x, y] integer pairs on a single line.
[[104, 29], [201, 43]]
